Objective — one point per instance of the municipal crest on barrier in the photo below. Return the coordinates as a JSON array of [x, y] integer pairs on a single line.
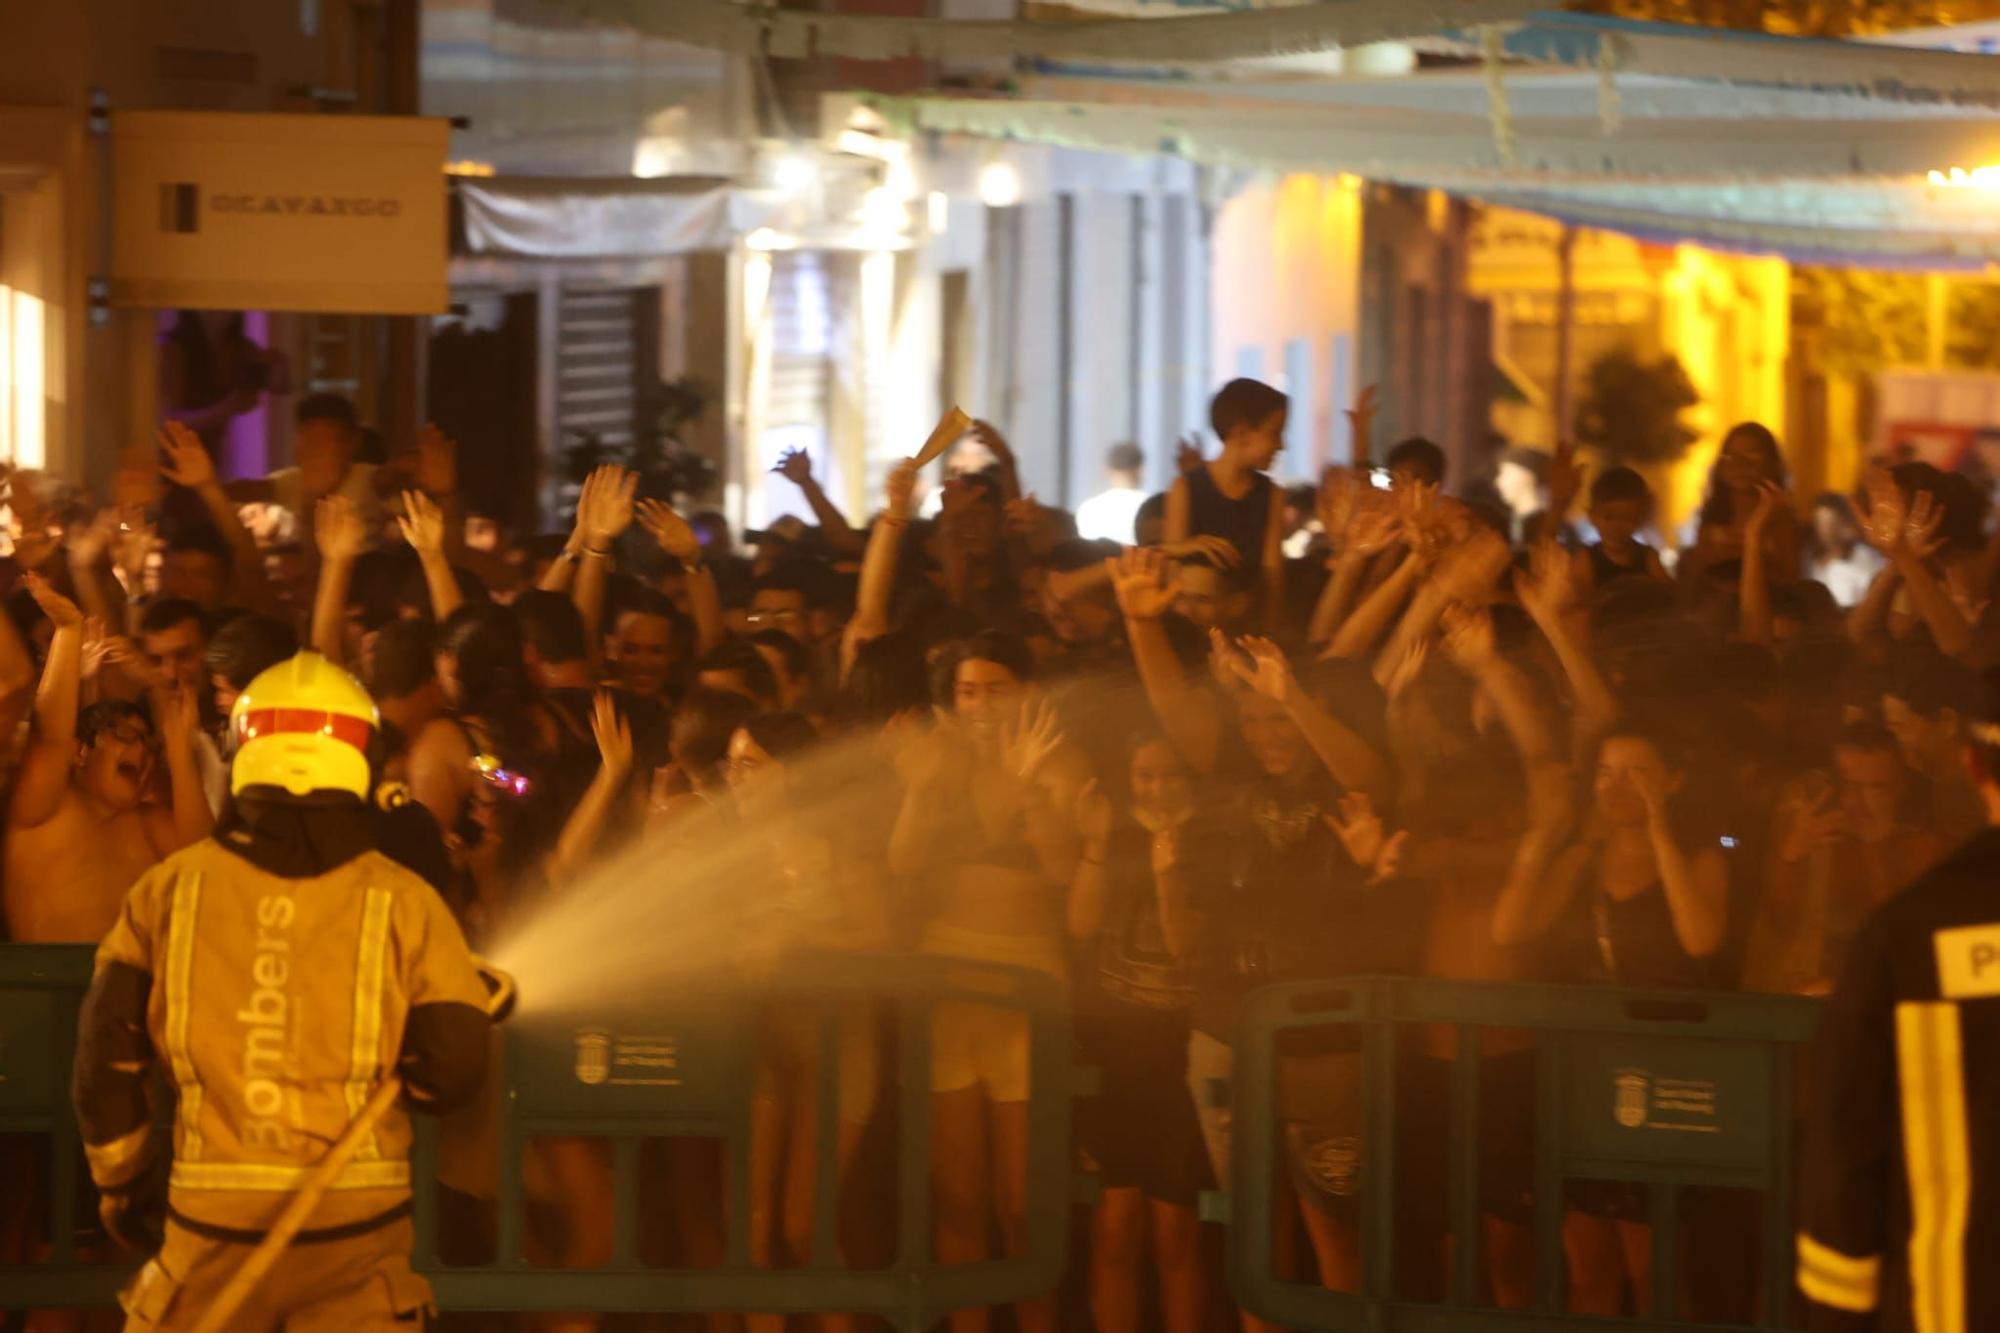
[[1628, 1107], [593, 1056]]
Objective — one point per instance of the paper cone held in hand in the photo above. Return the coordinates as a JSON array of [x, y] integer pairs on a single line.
[[949, 428]]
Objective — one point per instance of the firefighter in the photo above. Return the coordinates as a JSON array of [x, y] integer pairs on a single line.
[[1904, 1106], [279, 970]]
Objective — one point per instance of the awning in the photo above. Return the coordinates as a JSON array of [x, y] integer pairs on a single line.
[[576, 218]]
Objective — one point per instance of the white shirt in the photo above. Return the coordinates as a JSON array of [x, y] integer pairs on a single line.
[[1110, 516], [288, 489]]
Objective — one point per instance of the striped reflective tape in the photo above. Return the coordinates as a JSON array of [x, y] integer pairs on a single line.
[[113, 1163], [1838, 1280], [365, 1055], [180, 1001], [266, 1176], [1931, 1069]]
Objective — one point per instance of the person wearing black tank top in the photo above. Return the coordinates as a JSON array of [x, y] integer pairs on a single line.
[[1621, 504], [1230, 496], [1634, 902]]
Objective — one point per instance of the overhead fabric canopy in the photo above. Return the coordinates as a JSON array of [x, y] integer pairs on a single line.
[[1237, 34], [1802, 147], [574, 218]]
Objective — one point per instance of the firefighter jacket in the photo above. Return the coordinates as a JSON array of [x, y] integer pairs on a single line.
[[1901, 1181], [277, 1003]]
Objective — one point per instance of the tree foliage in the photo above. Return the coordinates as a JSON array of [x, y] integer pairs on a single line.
[[1631, 409], [1867, 322], [1810, 18]]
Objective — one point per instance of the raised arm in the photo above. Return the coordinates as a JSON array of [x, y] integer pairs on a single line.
[[1259, 664], [1358, 537], [796, 467], [1933, 600], [1359, 632], [678, 540], [879, 562], [1468, 639], [584, 828], [342, 535], [186, 462], [422, 523], [1139, 578], [1180, 510], [90, 569], [1697, 886], [189, 819], [602, 515], [1549, 594], [45, 768], [1753, 586]]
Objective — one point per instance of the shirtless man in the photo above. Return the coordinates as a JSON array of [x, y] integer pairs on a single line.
[[82, 822]]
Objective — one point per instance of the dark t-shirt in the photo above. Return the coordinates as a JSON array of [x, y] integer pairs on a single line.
[[1287, 904]]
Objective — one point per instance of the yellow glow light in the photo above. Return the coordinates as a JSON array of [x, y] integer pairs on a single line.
[[1961, 178]]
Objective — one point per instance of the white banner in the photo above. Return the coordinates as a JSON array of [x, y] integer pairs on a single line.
[[557, 219], [220, 211]]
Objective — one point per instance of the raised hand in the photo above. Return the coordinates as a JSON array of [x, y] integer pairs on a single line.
[[1361, 420], [605, 510], [99, 648], [1094, 815], [1031, 739], [1468, 636], [1408, 667], [1888, 511], [1771, 497], [60, 610], [1359, 826], [179, 715], [87, 545], [1262, 666], [1921, 530], [673, 533], [1140, 580], [422, 523], [1548, 589], [613, 733], [1187, 454], [1467, 572], [1373, 530], [184, 459], [1565, 479], [339, 529], [1810, 822], [1339, 496], [795, 466]]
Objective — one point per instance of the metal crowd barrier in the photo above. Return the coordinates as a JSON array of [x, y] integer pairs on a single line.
[[675, 1066], [1674, 1090]]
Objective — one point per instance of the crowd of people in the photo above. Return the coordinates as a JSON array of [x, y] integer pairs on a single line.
[[1168, 750]]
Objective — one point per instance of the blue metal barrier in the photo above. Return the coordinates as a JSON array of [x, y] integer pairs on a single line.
[[675, 1066], [1674, 1090]]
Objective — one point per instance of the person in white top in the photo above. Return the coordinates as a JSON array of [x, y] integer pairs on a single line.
[[325, 441], [1109, 515]]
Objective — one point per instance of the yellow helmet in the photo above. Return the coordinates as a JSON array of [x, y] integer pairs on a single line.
[[303, 725]]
